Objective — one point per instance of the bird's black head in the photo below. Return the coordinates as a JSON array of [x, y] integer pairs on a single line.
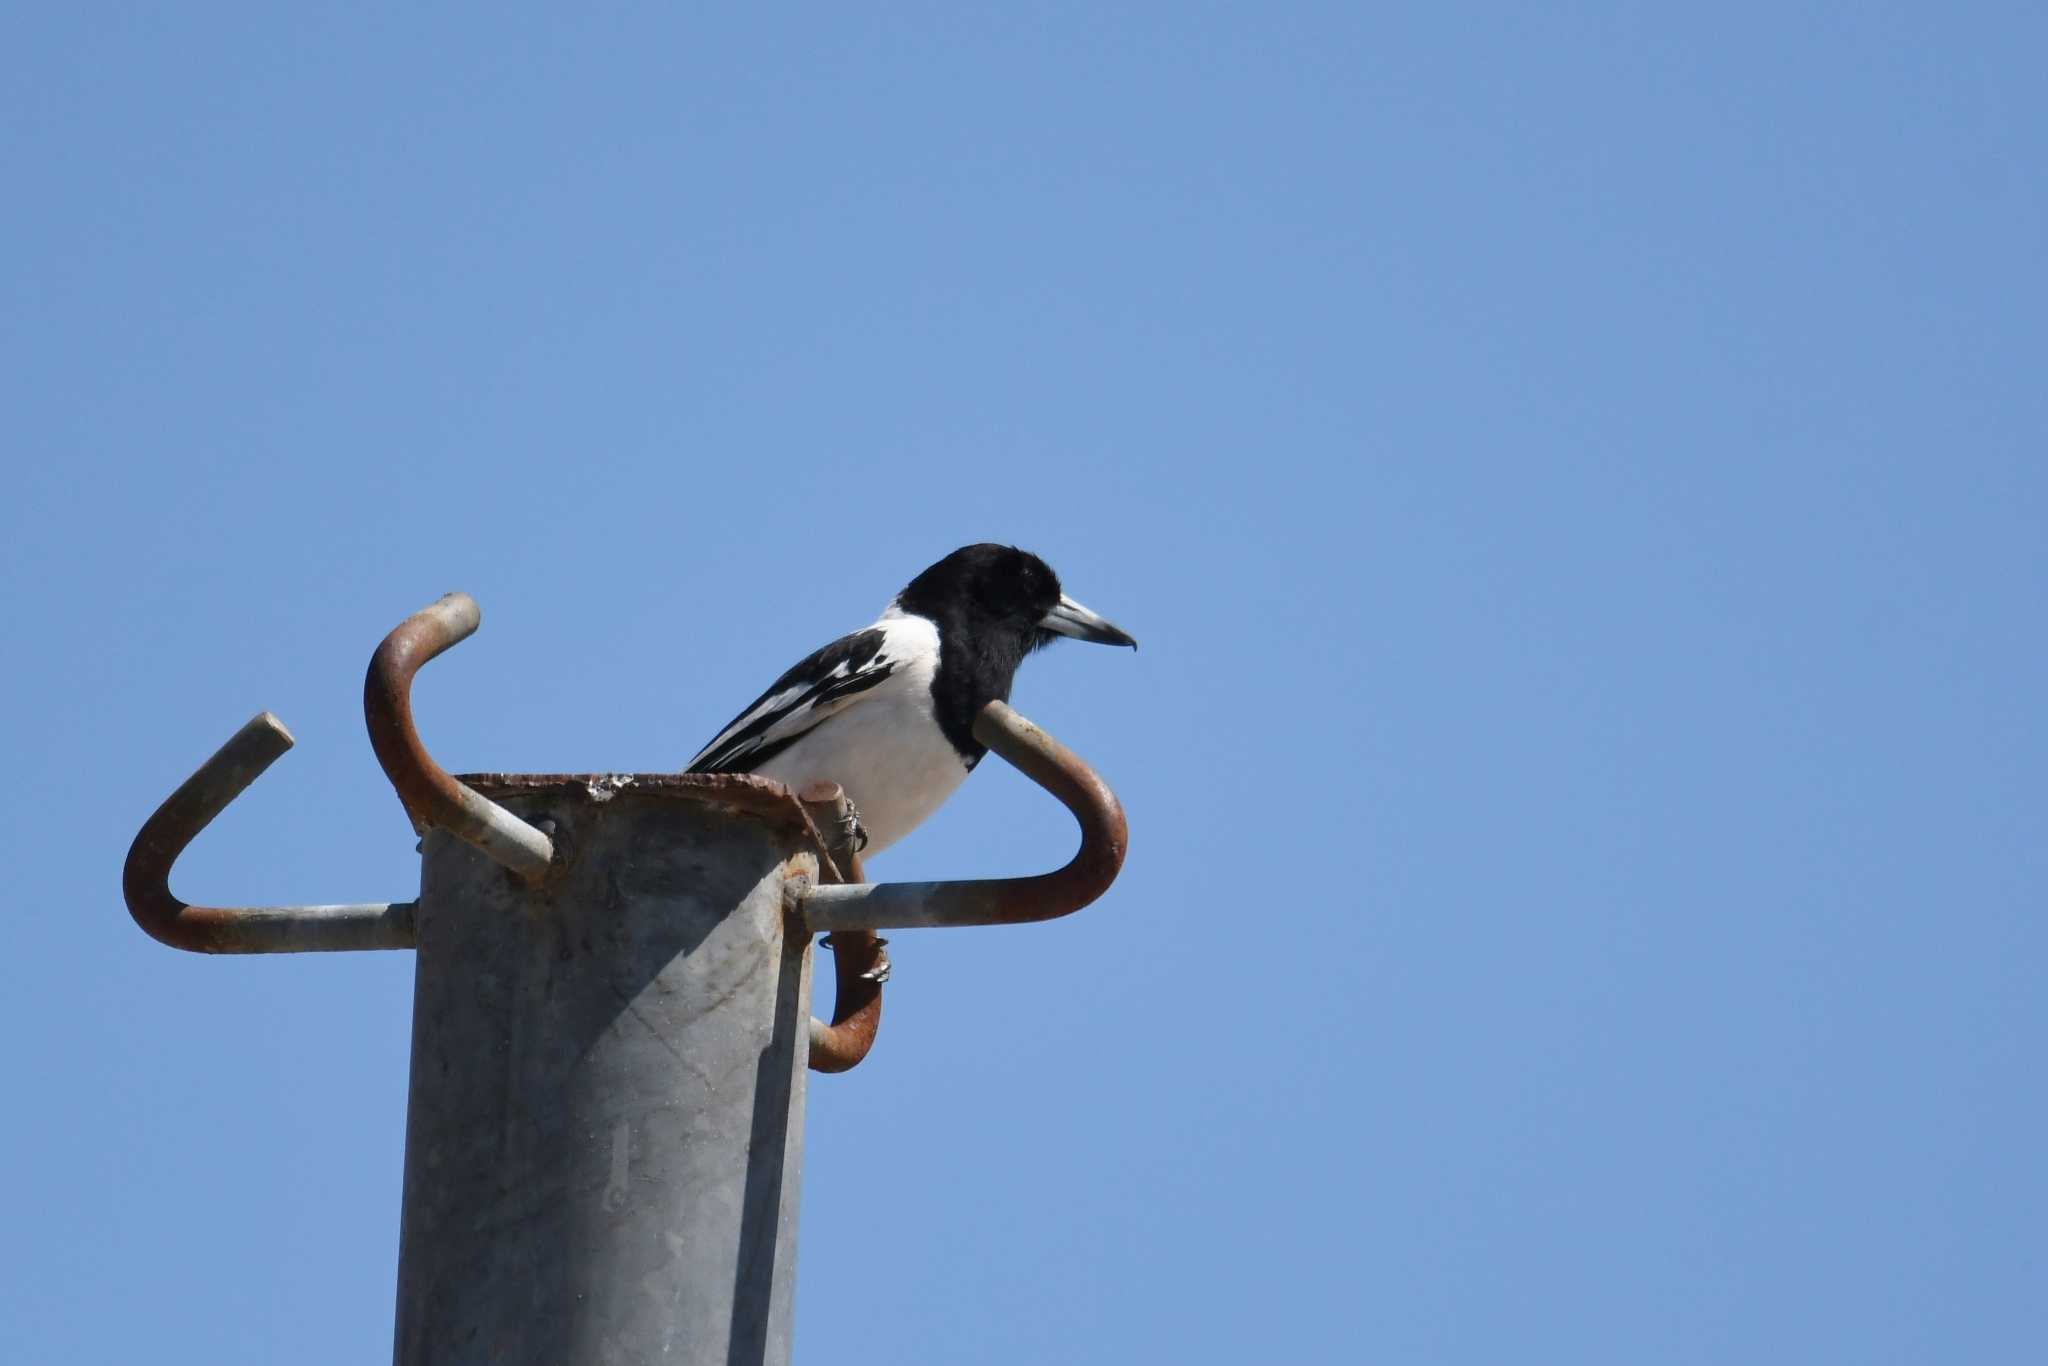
[[1007, 595], [993, 604]]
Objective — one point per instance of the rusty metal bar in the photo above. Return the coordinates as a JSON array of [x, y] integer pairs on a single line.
[[860, 963], [145, 879], [432, 798], [998, 901]]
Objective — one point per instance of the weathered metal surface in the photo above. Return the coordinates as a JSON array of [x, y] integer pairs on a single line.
[[432, 798], [604, 1136], [145, 879], [998, 901], [762, 798], [860, 961]]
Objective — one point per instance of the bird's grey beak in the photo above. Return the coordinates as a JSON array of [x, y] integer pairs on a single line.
[[1070, 618]]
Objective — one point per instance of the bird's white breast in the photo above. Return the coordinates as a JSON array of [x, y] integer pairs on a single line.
[[886, 749]]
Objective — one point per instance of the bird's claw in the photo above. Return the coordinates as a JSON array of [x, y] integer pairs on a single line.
[[878, 971], [851, 828]]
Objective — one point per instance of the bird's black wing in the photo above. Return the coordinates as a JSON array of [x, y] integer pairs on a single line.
[[823, 683]]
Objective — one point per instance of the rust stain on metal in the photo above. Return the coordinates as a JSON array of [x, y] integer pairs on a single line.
[[742, 793]]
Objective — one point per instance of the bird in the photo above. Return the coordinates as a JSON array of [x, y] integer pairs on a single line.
[[888, 711]]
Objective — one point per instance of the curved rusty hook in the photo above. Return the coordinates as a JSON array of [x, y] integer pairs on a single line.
[[999, 901], [145, 878], [431, 797], [860, 963]]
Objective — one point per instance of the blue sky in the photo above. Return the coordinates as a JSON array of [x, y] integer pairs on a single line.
[[1577, 475]]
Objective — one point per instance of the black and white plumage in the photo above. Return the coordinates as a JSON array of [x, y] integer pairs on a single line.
[[888, 712]]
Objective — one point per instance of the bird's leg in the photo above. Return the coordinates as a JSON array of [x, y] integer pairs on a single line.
[[861, 950], [855, 837]]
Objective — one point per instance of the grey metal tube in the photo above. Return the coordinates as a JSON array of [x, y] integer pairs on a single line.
[[605, 1128]]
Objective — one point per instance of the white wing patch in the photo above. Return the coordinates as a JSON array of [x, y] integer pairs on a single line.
[[829, 681]]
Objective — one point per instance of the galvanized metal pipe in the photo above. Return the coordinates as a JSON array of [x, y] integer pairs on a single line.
[[605, 1130], [145, 878]]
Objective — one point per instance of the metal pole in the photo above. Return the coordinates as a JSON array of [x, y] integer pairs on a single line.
[[611, 1020], [605, 1128]]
